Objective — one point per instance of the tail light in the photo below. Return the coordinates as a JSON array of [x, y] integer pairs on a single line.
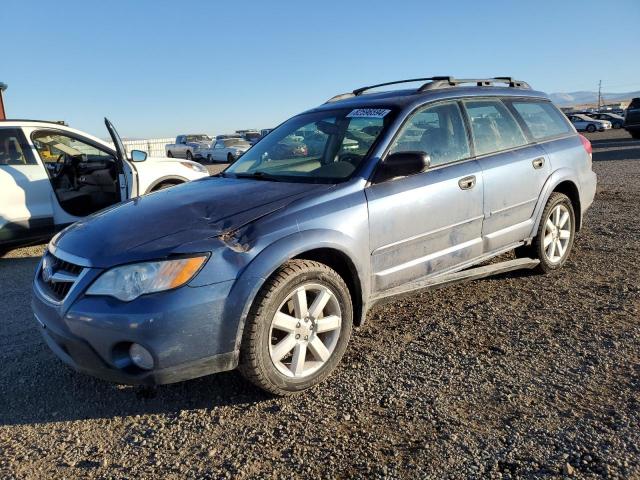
[[587, 147]]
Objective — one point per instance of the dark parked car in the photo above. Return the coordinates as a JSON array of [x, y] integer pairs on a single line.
[[616, 120], [632, 118], [268, 265]]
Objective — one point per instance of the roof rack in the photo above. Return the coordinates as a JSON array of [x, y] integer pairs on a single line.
[[55, 122], [434, 83], [446, 82]]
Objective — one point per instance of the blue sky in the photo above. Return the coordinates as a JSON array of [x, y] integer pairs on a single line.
[[159, 68]]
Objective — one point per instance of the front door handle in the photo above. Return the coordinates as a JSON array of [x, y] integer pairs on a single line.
[[538, 163], [467, 183]]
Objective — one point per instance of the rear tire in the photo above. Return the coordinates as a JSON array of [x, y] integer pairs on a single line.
[[297, 329], [591, 128], [556, 233], [635, 134]]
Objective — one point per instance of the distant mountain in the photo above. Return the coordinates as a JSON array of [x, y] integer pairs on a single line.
[[580, 98]]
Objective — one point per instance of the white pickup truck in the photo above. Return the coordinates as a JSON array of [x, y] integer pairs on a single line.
[[189, 146]]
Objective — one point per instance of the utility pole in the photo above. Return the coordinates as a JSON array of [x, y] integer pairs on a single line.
[[599, 93], [3, 87]]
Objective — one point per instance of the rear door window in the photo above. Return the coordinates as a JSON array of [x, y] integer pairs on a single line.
[[542, 119], [14, 149], [493, 127]]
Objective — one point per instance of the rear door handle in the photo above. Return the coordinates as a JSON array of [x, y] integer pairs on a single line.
[[538, 163], [467, 183]]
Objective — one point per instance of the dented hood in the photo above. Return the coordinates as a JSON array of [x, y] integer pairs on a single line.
[[154, 225]]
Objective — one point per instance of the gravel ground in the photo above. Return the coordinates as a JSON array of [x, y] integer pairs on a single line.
[[516, 376]]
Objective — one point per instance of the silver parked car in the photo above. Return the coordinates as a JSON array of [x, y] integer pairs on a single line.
[[226, 150], [584, 123]]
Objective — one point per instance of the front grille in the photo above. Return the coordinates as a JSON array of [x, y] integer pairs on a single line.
[[56, 277]]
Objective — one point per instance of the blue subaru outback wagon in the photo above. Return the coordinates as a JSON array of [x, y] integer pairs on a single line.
[[268, 265]]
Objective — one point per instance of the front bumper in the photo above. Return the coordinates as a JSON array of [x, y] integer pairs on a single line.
[[183, 329]]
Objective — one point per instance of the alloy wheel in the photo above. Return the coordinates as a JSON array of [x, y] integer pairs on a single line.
[[557, 234], [305, 330]]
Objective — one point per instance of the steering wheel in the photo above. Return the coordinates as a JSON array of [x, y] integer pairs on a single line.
[[59, 168]]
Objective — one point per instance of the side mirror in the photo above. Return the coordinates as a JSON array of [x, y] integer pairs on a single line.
[[138, 156], [402, 164]]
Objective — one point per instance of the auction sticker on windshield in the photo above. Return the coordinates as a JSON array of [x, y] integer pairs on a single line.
[[368, 113]]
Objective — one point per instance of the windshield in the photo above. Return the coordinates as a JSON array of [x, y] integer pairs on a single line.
[[198, 138], [320, 147]]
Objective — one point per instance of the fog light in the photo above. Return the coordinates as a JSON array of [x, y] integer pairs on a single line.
[[140, 356]]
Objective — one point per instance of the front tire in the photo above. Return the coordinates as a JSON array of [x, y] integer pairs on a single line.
[[230, 158], [635, 134], [591, 128], [169, 154], [297, 329], [556, 233], [163, 186], [189, 156]]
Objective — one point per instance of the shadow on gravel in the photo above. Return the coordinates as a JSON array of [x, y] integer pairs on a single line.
[[50, 392], [622, 154], [608, 142]]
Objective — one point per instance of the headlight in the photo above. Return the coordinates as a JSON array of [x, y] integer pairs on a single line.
[[128, 282], [195, 167]]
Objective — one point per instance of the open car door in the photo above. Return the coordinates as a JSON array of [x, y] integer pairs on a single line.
[[127, 175]]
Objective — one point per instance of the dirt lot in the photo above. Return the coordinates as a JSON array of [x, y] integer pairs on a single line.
[[515, 376]]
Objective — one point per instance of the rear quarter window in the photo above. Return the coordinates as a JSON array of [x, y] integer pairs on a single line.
[[542, 119]]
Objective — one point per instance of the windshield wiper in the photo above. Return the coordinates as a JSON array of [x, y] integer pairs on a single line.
[[258, 176]]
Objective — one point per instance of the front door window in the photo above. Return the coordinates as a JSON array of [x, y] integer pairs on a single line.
[[83, 175]]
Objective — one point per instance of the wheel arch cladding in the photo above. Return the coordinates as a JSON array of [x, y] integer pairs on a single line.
[[329, 245], [570, 189], [172, 179], [343, 265]]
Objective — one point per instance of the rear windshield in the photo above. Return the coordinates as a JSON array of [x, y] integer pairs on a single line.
[[542, 118], [198, 138]]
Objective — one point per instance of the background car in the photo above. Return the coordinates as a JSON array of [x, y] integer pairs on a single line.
[[289, 149], [632, 118], [227, 150], [189, 146], [252, 136], [583, 123], [616, 120], [52, 175]]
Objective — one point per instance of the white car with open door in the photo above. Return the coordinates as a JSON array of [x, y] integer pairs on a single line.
[[52, 175]]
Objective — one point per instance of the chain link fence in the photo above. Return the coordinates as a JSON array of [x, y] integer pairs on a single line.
[[153, 146]]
